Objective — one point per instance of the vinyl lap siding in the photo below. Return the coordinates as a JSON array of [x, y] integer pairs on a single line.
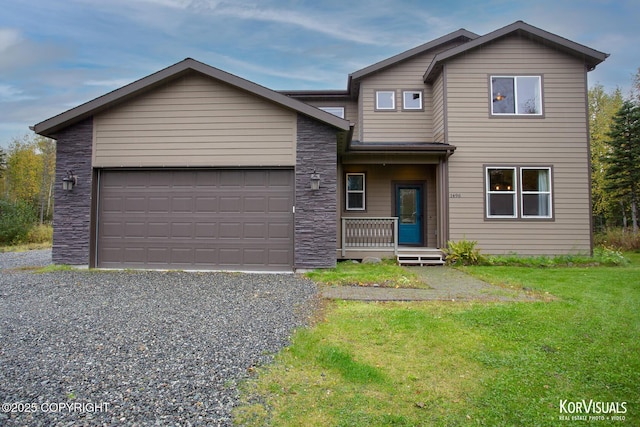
[[559, 140], [195, 121], [438, 110], [380, 192], [399, 125]]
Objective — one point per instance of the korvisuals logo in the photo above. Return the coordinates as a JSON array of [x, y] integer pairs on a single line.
[[592, 407]]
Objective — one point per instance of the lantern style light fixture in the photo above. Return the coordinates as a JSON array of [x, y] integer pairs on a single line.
[[315, 181], [69, 181]]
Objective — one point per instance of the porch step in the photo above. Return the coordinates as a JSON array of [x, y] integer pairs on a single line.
[[420, 256]]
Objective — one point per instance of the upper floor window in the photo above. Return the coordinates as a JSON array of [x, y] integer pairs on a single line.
[[516, 95], [412, 100], [355, 192], [336, 111], [385, 100]]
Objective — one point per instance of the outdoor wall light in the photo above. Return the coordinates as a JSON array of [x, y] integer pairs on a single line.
[[69, 181], [315, 181]]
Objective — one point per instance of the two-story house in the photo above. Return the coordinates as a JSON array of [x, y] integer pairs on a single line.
[[465, 137]]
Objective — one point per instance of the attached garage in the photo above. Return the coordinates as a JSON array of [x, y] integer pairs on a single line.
[[194, 168], [231, 219]]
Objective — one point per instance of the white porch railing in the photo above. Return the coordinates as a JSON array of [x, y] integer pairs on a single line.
[[370, 234]]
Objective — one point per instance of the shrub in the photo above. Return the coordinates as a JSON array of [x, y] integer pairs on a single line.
[[618, 238], [41, 233], [463, 252], [16, 219]]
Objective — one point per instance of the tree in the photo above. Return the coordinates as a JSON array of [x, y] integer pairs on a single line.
[[30, 173], [623, 161], [602, 108]]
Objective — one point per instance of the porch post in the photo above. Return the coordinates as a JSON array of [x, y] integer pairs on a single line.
[[395, 236], [343, 237]]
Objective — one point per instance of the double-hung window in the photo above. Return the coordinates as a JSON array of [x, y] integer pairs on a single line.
[[501, 193], [516, 95], [536, 192], [355, 192], [518, 192]]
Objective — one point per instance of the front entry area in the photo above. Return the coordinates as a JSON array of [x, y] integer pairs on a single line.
[[197, 219], [409, 210]]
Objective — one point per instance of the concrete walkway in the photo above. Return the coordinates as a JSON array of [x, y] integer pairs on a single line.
[[447, 284]]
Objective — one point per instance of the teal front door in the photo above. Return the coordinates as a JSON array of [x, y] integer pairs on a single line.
[[409, 212]]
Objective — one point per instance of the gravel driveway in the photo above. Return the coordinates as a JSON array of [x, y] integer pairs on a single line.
[[137, 348]]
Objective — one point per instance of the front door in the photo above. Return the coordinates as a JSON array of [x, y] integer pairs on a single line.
[[409, 212]]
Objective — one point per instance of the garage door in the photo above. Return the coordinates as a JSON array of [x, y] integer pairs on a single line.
[[196, 219]]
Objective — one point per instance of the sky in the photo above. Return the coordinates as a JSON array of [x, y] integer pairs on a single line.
[[58, 54]]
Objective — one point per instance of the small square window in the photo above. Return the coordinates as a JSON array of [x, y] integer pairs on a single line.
[[385, 100], [412, 100], [355, 192]]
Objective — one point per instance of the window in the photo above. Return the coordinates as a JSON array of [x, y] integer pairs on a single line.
[[501, 193], [412, 100], [524, 189], [355, 192], [536, 192], [336, 111], [519, 95], [385, 100]]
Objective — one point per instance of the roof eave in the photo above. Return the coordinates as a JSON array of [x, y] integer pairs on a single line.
[[461, 33], [54, 124], [591, 56]]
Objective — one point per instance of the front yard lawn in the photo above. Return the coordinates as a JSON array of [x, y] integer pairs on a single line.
[[448, 364], [385, 274]]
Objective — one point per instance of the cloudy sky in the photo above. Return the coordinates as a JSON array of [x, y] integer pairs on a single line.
[[57, 54]]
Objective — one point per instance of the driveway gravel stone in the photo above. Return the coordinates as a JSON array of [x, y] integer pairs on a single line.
[[137, 348]]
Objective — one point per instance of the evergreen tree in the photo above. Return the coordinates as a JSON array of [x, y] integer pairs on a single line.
[[623, 160]]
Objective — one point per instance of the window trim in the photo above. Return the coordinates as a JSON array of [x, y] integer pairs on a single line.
[[518, 206], [326, 109], [523, 192], [489, 192], [408, 91], [379, 91], [540, 78], [363, 191]]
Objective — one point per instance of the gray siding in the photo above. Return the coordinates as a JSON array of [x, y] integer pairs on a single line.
[[350, 111], [315, 217], [195, 121], [559, 139], [399, 125], [72, 215], [379, 192], [439, 109]]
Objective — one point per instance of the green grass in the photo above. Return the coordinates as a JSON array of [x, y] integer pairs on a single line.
[[25, 247], [385, 274], [449, 364]]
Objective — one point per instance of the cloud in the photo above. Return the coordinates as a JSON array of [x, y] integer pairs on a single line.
[[8, 38], [110, 83], [10, 93], [340, 26]]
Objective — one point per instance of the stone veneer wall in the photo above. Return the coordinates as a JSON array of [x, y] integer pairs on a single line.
[[72, 213], [315, 216]]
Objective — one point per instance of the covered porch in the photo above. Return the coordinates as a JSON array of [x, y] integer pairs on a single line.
[[393, 203]]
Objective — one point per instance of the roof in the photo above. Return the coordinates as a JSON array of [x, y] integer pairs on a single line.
[[460, 34], [54, 124], [591, 57]]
